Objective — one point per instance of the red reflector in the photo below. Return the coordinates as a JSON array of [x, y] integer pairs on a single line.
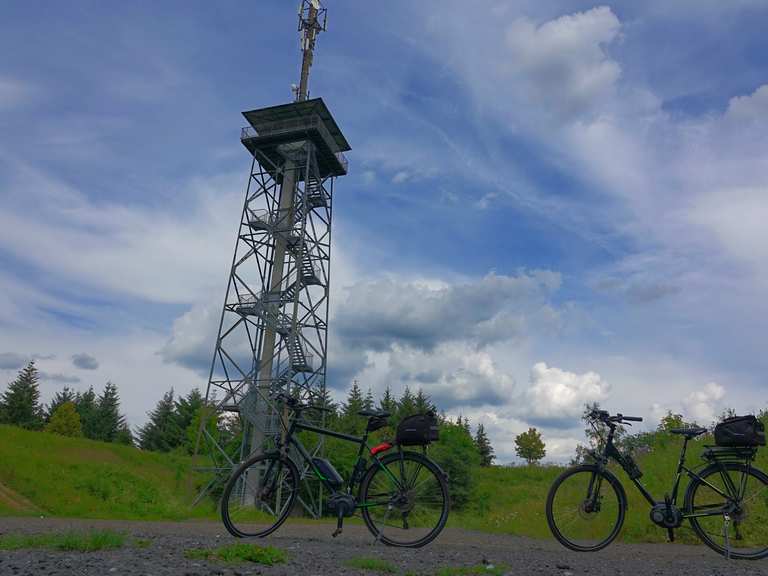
[[383, 447]]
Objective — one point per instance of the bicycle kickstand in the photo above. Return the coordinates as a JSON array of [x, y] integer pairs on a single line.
[[726, 537], [339, 524]]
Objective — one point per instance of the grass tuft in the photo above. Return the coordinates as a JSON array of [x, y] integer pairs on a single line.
[[67, 541], [239, 553], [373, 564]]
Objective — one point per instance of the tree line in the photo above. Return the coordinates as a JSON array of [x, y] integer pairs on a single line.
[[174, 422]]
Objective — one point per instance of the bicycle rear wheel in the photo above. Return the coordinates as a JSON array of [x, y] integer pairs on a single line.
[[586, 508], [733, 502], [404, 500], [259, 496]]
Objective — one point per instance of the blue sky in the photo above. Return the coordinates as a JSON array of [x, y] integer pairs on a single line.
[[549, 204]]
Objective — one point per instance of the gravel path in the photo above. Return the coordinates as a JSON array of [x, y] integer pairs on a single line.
[[312, 551]]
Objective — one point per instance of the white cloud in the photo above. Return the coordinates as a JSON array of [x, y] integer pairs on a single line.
[[557, 396], [562, 63], [702, 405], [122, 250]]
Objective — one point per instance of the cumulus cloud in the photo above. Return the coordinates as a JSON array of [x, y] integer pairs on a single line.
[[557, 397], [562, 62], [193, 335], [375, 315], [85, 361], [702, 405], [454, 374]]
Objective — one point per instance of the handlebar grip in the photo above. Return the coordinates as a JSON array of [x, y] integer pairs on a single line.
[[632, 418]]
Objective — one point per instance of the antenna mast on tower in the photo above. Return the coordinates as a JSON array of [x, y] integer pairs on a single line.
[[313, 18]]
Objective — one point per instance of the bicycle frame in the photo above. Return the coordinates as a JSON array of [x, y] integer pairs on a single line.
[[610, 451], [362, 441]]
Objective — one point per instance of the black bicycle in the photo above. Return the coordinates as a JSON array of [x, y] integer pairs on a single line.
[[402, 496], [726, 502]]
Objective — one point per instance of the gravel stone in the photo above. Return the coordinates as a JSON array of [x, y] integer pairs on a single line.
[[312, 551]]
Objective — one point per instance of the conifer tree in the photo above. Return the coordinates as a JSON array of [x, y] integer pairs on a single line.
[[86, 409], [422, 402], [21, 401], [124, 435], [388, 403], [65, 421], [108, 420], [185, 415], [483, 444], [350, 421], [63, 396], [160, 432], [368, 400], [406, 405]]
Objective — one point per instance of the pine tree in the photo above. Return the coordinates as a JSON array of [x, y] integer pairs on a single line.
[[86, 409], [423, 403], [185, 415], [65, 421], [21, 401], [350, 420], [160, 432], [63, 396], [368, 400], [406, 405], [108, 420], [530, 446], [388, 402], [124, 435], [484, 447]]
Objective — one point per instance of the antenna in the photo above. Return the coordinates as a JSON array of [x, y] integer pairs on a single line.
[[313, 18]]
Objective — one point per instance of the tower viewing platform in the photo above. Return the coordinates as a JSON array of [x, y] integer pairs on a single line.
[[272, 130]]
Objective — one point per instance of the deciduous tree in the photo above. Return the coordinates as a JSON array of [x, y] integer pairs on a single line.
[[530, 446]]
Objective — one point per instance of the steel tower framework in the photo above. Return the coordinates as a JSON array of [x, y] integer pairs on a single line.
[[274, 325]]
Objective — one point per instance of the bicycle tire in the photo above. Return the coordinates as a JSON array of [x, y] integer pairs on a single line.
[[239, 478], [703, 531], [621, 503], [403, 500]]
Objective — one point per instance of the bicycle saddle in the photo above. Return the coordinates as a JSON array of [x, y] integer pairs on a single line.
[[374, 413], [688, 432]]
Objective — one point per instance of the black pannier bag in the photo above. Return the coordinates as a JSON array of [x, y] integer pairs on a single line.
[[417, 430], [740, 431]]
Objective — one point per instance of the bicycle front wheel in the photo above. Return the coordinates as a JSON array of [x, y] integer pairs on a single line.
[[728, 508], [404, 500], [259, 496], [586, 508]]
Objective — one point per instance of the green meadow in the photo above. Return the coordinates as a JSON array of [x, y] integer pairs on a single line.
[[80, 478]]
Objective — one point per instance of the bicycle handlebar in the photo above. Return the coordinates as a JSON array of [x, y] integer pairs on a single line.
[[605, 417]]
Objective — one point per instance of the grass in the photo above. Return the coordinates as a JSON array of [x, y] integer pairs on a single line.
[[80, 478], [484, 569], [511, 500], [67, 541], [240, 553], [372, 564]]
